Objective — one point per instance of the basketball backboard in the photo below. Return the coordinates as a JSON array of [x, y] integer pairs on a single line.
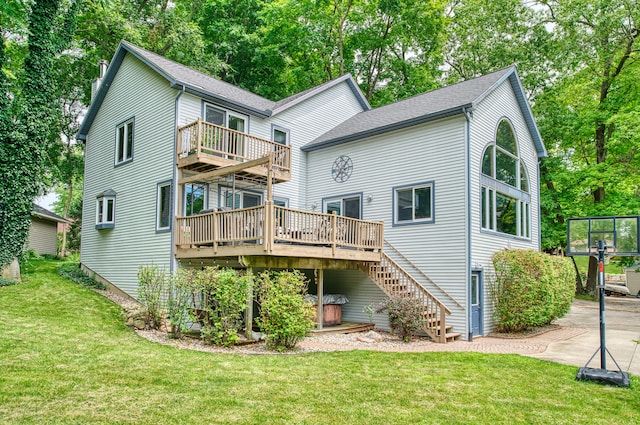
[[620, 235]]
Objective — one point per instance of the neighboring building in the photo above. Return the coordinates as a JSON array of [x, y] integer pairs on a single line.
[[183, 170], [43, 231]]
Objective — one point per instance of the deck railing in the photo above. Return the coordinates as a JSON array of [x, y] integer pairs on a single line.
[[268, 224], [201, 137]]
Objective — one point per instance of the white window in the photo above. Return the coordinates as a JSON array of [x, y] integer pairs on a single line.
[[280, 135], [124, 141], [106, 210], [239, 198], [231, 142], [413, 204], [505, 200], [163, 207], [347, 205]]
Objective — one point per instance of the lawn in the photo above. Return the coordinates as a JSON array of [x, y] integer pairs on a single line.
[[66, 357]]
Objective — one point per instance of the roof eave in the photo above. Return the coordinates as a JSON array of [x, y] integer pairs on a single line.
[[221, 100], [390, 127]]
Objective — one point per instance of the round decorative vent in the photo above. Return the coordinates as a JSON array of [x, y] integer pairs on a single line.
[[342, 168]]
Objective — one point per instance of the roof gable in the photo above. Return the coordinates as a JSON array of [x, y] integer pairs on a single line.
[[181, 77], [436, 104]]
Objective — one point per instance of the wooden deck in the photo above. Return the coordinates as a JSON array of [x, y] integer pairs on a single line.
[[273, 231], [204, 147]]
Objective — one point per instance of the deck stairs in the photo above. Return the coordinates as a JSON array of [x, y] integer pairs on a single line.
[[395, 280]]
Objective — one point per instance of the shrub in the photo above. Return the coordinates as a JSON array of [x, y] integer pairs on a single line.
[[530, 289], [178, 295], [152, 281], [228, 301], [405, 315], [7, 282], [72, 271], [285, 317]]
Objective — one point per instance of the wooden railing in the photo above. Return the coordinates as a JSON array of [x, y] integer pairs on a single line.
[[395, 281], [268, 224], [201, 137]]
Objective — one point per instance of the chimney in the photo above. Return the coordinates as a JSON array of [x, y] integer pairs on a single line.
[[102, 65]]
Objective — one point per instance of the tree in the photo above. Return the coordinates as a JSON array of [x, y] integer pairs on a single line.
[[27, 115], [589, 117]]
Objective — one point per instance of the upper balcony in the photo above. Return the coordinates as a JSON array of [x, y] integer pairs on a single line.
[[204, 147], [273, 231]]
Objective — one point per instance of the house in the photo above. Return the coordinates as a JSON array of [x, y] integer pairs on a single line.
[[43, 230], [184, 170]]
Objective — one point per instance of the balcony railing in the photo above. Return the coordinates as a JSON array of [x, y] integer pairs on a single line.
[[272, 227], [205, 139]]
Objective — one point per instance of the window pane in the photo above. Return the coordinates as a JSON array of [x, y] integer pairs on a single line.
[[483, 209], [506, 168], [524, 181], [506, 208], [194, 198], [492, 210], [236, 123], [334, 206], [129, 153], [250, 200], [405, 204], [165, 201], [120, 144], [505, 137], [474, 290], [487, 162], [100, 210], [279, 136], [352, 207], [109, 210], [422, 203], [231, 200], [214, 116]]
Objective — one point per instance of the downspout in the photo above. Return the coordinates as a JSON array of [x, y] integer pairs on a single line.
[[176, 204], [468, 116], [539, 209]]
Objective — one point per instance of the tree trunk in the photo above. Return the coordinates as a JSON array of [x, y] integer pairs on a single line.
[[592, 277], [580, 289]]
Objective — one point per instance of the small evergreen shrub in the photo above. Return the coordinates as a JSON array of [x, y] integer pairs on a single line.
[[285, 317], [405, 315], [152, 282], [530, 289], [72, 271]]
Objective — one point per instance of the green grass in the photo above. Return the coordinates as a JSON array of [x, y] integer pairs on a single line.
[[612, 267], [66, 357]]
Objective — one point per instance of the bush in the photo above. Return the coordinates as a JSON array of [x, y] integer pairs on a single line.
[[530, 289], [7, 282], [405, 315], [152, 281], [72, 271], [179, 294], [222, 300], [285, 317]]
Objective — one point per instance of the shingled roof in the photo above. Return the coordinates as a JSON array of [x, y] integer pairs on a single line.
[[440, 103], [46, 214], [181, 77]]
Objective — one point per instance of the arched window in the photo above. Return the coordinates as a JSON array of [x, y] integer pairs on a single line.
[[505, 199]]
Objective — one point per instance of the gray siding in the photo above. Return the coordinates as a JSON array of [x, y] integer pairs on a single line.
[[433, 152], [116, 253], [43, 236], [500, 103]]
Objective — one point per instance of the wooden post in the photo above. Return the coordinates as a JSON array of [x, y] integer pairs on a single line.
[[199, 138], [249, 314], [334, 232], [216, 231], [319, 274]]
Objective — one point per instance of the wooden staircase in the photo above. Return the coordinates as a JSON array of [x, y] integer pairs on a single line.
[[394, 280]]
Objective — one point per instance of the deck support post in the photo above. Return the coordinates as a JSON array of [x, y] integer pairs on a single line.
[[249, 314], [319, 275]]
